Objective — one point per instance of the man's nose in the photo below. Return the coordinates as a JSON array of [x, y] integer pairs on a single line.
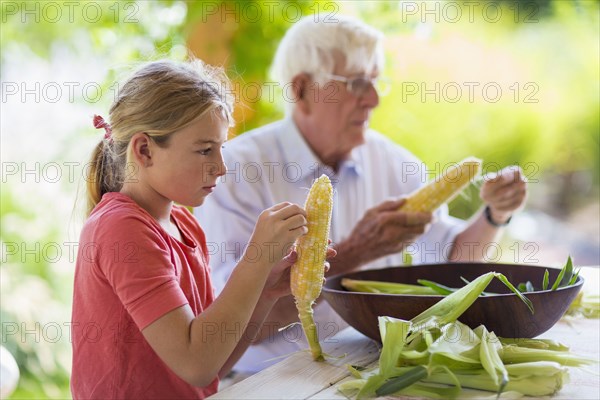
[[370, 98]]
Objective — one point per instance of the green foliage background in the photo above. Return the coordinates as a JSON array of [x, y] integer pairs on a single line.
[[551, 45]]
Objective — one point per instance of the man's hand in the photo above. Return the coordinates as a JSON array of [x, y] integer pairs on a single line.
[[384, 230], [505, 192]]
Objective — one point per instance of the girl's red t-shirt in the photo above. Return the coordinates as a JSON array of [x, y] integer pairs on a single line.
[[129, 273]]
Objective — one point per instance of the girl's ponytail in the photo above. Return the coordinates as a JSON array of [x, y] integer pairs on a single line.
[[94, 177], [104, 172]]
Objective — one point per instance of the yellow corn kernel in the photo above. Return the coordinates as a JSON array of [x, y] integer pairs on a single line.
[[444, 187], [308, 271]]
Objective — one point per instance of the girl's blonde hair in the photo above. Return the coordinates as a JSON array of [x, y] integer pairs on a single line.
[[160, 98]]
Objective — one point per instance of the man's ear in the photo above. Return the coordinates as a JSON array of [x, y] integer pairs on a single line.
[[141, 149], [302, 92]]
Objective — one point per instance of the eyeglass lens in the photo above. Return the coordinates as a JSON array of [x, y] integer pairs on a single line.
[[360, 86]]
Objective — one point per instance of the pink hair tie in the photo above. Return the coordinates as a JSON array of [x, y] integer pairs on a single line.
[[100, 123]]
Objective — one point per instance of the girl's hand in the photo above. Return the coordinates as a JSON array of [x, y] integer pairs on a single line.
[[278, 281], [275, 232]]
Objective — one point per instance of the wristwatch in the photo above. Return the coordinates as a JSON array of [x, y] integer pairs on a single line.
[[490, 220]]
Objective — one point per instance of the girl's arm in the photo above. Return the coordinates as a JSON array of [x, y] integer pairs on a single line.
[[263, 307], [198, 348]]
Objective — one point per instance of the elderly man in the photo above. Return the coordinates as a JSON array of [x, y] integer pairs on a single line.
[[332, 70]]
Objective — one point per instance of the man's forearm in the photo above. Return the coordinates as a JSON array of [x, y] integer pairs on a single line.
[[471, 243]]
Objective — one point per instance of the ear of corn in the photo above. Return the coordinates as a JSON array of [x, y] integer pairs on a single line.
[[444, 187], [308, 271]]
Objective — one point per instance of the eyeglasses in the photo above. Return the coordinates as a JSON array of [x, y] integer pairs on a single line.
[[360, 85]]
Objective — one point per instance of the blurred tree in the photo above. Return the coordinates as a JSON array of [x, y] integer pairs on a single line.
[[242, 36]]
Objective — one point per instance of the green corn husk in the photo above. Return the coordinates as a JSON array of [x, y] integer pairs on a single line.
[[532, 385], [452, 306], [430, 390], [355, 285], [565, 275], [441, 289], [526, 287], [587, 305], [457, 347], [545, 280], [515, 354], [545, 344], [590, 306], [489, 350], [534, 368], [540, 378], [408, 378], [393, 333]]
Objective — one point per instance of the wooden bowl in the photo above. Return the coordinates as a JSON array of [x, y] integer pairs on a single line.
[[504, 314]]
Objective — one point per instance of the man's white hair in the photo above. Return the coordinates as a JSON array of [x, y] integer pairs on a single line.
[[313, 44]]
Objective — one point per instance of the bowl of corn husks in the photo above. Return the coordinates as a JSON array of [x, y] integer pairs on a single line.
[[517, 301]]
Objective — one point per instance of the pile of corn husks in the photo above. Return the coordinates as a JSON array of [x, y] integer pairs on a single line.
[[435, 356]]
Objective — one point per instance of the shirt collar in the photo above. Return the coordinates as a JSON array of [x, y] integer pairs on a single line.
[[298, 154], [352, 164]]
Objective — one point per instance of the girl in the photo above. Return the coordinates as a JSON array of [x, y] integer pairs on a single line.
[[145, 323]]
